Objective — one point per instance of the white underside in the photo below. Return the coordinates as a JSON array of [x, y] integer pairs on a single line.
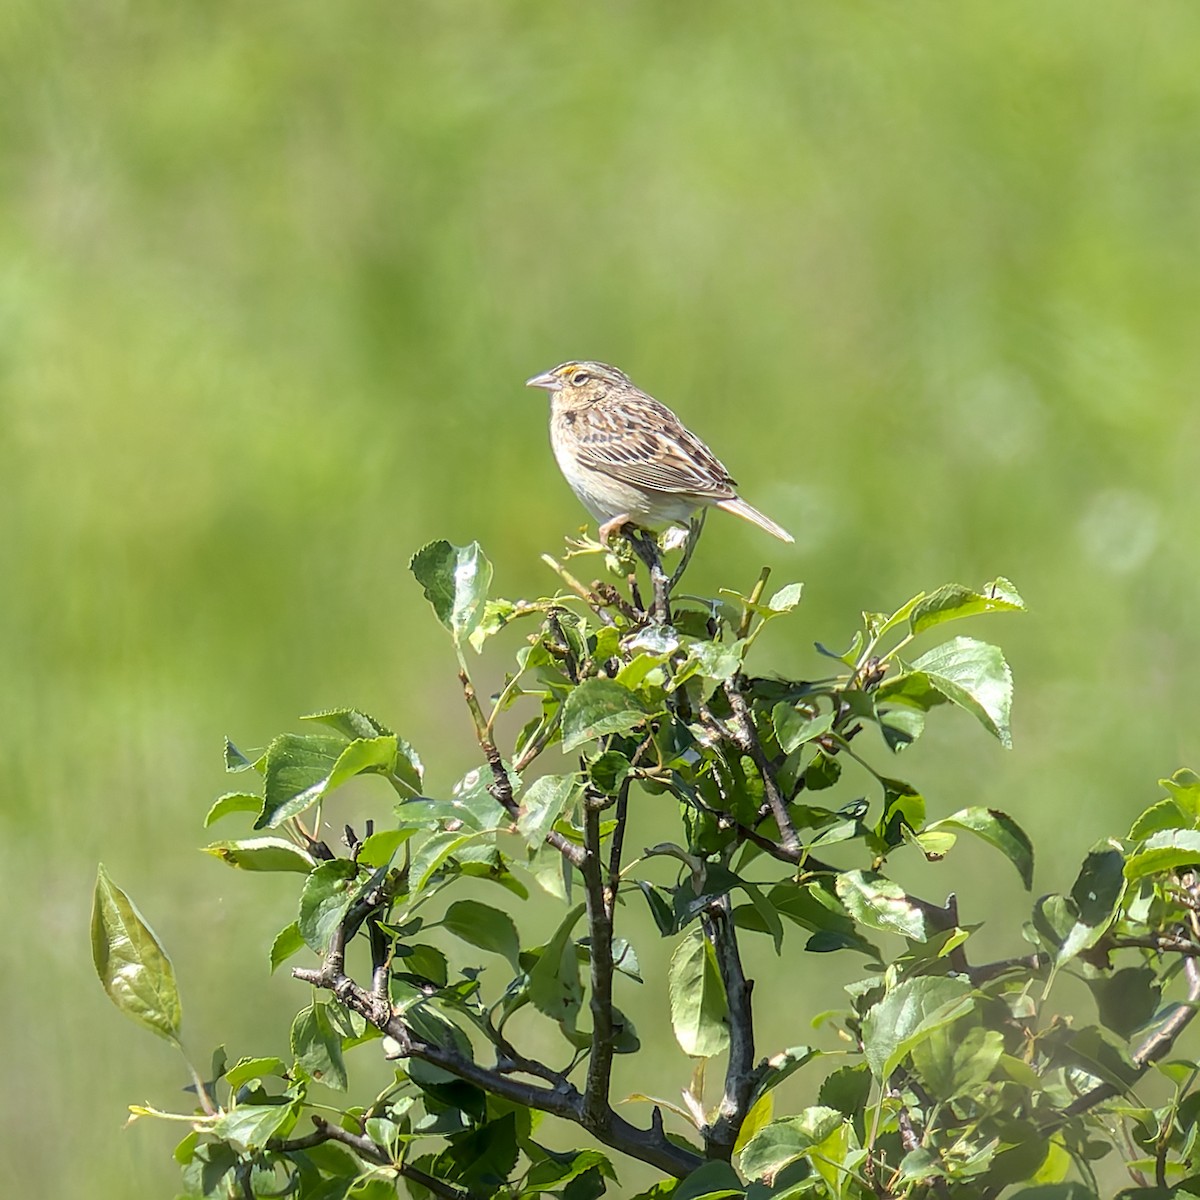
[[606, 498]]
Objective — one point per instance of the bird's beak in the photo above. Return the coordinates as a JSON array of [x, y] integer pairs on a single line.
[[547, 380]]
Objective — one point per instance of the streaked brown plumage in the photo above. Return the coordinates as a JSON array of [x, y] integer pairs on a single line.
[[628, 458]]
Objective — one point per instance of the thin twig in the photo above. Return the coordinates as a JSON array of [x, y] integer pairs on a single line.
[[746, 739], [364, 1147], [501, 787], [595, 602], [618, 842], [565, 1101]]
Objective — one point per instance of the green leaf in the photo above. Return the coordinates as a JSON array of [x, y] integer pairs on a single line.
[[699, 1008], [1164, 851], [953, 601], [597, 707], [317, 1047], [355, 725], [793, 727], [554, 986], [781, 1065], [909, 1013], [455, 580], [544, 803], [351, 723], [304, 768], [997, 829], [713, 661], [246, 1069], [380, 848], [1184, 787], [297, 766], [880, 904], [974, 676], [432, 855], [288, 941], [232, 802], [784, 1141], [251, 1126], [327, 895], [485, 927], [952, 1064], [1127, 999], [713, 1181], [132, 965], [784, 600], [262, 854]]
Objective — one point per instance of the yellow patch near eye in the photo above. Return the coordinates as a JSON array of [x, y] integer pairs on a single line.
[[566, 368]]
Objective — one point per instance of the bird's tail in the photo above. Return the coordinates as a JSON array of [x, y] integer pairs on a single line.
[[740, 508]]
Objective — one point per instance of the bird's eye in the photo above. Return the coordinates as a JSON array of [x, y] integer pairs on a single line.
[[579, 378]]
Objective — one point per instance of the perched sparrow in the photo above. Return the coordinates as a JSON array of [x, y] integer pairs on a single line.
[[628, 458]]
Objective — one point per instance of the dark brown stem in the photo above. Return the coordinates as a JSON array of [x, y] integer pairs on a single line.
[[617, 844], [746, 739], [741, 1075], [364, 1147], [501, 787], [596, 1110], [563, 1100], [646, 548], [1155, 1046]]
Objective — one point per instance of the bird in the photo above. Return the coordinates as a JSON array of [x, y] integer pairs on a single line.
[[629, 458]]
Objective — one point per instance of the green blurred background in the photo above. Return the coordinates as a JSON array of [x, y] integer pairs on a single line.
[[271, 277]]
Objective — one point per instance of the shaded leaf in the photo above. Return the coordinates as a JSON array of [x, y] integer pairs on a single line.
[[485, 927], [288, 941], [327, 895], [554, 986], [317, 1047], [232, 802]]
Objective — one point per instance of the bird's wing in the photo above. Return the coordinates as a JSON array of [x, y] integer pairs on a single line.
[[645, 444]]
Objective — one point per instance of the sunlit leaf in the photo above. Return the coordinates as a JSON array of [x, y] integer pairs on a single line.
[[880, 904], [597, 707], [953, 601], [699, 1009], [455, 580], [262, 854], [907, 1014], [997, 829], [131, 963], [544, 802], [784, 1141]]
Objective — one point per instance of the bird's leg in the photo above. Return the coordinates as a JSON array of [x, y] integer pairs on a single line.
[[695, 528], [611, 527], [646, 547]]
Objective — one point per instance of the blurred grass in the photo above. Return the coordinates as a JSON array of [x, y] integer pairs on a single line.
[[270, 280]]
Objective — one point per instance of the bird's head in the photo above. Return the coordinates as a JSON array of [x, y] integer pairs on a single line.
[[580, 382]]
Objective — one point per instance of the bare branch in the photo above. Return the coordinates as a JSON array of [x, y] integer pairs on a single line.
[[596, 1110], [564, 1100], [741, 1075], [364, 1147]]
